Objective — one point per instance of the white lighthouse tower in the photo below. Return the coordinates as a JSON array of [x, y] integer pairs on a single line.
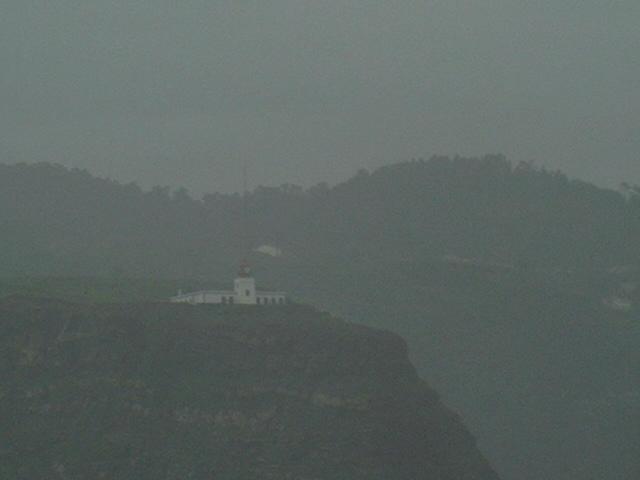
[[244, 286]]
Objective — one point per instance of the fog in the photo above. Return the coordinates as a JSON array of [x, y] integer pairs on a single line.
[[179, 93], [440, 301]]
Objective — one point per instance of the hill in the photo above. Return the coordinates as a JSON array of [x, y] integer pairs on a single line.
[[162, 391], [66, 222]]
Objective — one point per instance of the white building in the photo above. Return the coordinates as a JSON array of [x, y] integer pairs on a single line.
[[244, 293]]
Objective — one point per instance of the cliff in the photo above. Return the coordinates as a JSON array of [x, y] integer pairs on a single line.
[[159, 391]]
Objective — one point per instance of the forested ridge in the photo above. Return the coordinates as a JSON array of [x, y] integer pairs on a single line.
[[56, 220]]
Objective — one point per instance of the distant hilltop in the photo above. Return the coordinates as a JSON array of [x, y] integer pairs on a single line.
[[162, 391], [59, 221]]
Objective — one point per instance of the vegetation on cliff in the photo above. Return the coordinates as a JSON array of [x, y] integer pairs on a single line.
[[161, 391]]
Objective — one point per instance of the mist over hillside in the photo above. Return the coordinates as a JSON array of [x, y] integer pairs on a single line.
[[515, 287], [61, 221], [163, 160], [542, 369]]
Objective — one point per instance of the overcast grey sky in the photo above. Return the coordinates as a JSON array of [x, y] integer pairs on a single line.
[[179, 92]]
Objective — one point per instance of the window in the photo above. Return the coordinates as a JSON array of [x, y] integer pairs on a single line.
[[247, 293]]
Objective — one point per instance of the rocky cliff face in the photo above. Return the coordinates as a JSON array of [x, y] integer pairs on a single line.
[[178, 392]]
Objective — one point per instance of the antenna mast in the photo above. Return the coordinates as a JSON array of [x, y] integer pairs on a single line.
[[245, 210]]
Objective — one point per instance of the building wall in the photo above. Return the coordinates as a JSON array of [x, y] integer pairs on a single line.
[[270, 299], [205, 297], [244, 294], [245, 290]]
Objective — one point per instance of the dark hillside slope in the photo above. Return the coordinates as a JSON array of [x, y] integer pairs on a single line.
[[55, 220], [161, 391], [471, 208], [65, 222]]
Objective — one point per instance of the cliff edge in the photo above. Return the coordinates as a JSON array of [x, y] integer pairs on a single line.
[[168, 392]]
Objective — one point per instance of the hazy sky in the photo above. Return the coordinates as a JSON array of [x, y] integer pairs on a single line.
[[179, 92]]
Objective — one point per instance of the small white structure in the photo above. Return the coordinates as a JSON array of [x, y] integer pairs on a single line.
[[270, 250], [619, 304], [244, 293]]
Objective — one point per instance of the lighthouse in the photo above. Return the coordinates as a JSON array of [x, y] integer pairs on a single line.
[[244, 293], [244, 286]]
